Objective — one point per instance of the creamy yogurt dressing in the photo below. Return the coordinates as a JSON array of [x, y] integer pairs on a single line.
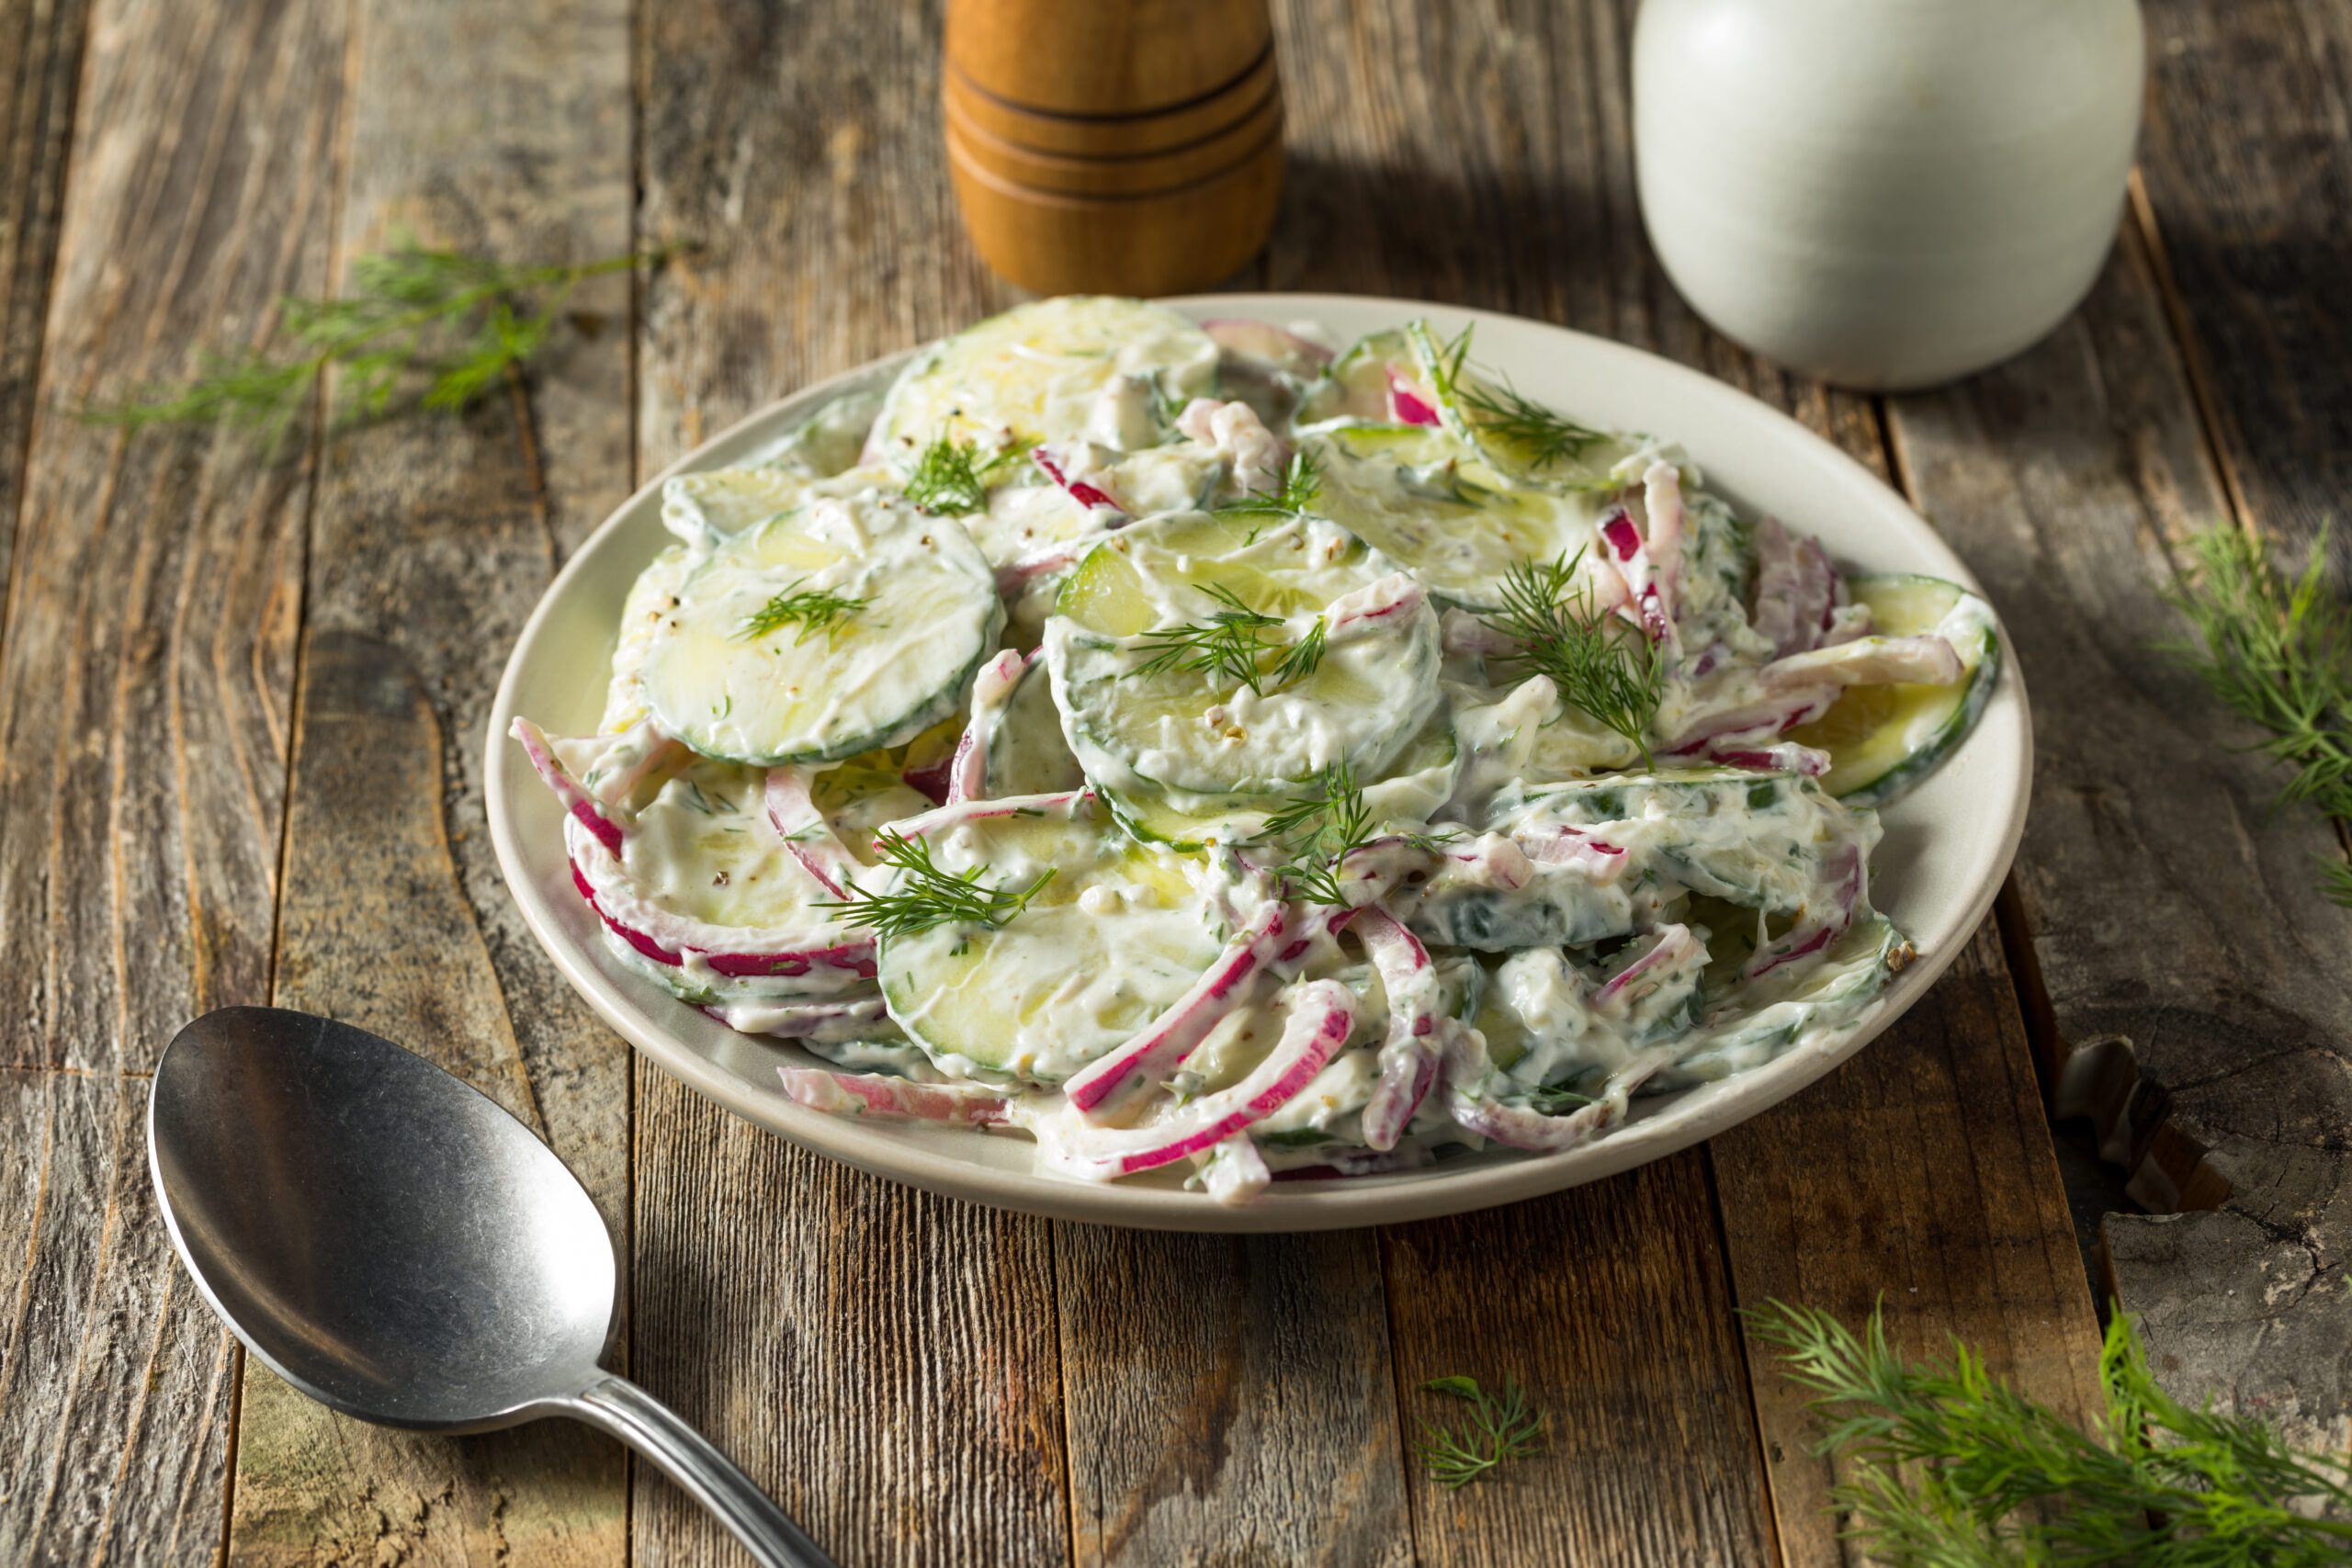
[[1587, 923]]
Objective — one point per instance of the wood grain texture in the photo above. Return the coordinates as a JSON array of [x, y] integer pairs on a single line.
[[1229, 1399], [378, 931], [144, 685], [1921, 1178], [143, 699], [431, 541], [820, 239], [40, 67], [115, 1377], [1622, 1335], [880, 1360], [2198, 999], [2247, 159]]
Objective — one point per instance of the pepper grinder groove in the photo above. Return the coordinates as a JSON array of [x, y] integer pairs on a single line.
[[1114, 146]]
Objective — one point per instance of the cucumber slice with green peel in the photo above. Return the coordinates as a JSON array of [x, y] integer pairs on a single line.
[[1079, 367], [1525, 441], [1120, 933], [848, 625], [1761, 840], [1883, 739], [649, 600], [1193, 735], [829, 441], [1025, 751], [1616, 855], [1421, 496], [1356, 385], [1203, 734], [1420, 779], [1157, 573], [709, 508]]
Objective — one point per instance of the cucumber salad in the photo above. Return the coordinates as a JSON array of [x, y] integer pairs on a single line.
[[1183, 745]]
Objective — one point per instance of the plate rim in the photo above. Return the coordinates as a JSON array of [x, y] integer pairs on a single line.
[[1309, 1205]]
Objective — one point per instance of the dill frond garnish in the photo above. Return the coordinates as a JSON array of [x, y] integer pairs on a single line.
[[1498, 1429], [817, 612], [2278, 651], [923, 896], [1537, 436], [1601, 663], [948, 480], [1945, 1463], [461, 323], [1301, 486], [1318, 832], [1234, 644]]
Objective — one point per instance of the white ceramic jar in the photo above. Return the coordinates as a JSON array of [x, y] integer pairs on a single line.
[[1885, 193]]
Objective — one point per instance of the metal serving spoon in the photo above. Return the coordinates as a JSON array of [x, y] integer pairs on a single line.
[[392, 1243]]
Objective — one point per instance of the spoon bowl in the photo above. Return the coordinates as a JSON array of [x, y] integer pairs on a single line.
[[389, 1241]]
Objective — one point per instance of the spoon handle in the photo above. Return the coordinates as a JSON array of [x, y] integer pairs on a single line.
[[710, 1477]]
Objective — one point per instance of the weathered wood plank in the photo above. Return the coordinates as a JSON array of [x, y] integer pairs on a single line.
[[2168, 905], [880, 1360], [1623, 1336], [2246, 159], [40, 67], [143, 703], [148, 653], [1234, 1396], [1921, 1178], [116, 1380], [378, 930], [884, 1361], [431, 542]]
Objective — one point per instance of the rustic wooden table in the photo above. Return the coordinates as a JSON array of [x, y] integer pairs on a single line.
[[242, 709]]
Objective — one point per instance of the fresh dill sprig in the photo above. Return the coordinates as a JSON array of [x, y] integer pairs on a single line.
[[817, 612], [1553, 1100], [1499, 1429], [948, 480], [2277, 650], [1318, 832], [1234, 644], [1301, 486], [459, 323], [1601, 663], [1538, 436], [923, 896], [1945, 1463]]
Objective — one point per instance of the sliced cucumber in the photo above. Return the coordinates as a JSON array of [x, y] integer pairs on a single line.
[[829, 441], [704, 847], [1526, 442], [1078, 367], [925, 613], [706, 509], [1529, 734], [1883, 739], [1761, 840], [1420, 780], [1119, 934], [650, 598], [1196, 733], [1026, 753], [1356, 384], [1153, 574]]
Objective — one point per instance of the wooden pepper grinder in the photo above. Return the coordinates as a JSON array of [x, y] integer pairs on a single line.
[[1114, 146]]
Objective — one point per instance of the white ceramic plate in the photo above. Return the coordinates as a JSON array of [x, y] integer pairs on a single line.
[[1947, 844]]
